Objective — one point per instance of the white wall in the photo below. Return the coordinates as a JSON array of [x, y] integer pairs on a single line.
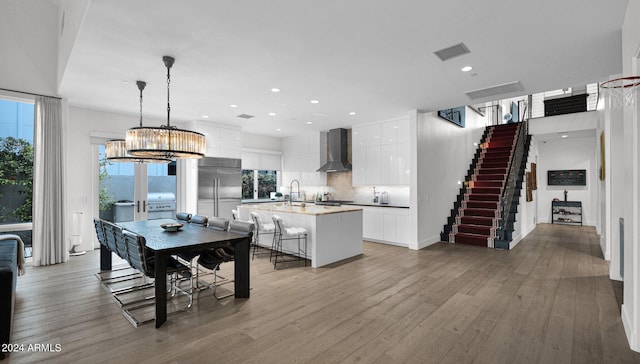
[[630, 166], [443, 154], [568, 153], [73, 12], [526, 218], [29, 37], [82, 161]]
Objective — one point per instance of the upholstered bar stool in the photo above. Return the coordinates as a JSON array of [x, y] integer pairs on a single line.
[[260, 228], [282, 233]]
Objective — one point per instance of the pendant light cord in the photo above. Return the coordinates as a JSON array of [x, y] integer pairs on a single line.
[[141, 85], [168, 64]]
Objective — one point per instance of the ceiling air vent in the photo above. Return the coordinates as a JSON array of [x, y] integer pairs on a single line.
[[451, 52], [246, 116], [505, 88]]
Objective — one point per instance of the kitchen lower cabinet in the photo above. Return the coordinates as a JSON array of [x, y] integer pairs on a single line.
[[389, 225]]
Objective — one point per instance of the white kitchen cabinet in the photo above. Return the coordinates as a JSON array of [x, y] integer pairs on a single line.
[[301, 157], [221, 142], [402, 164], [386, 225], [373, 163], [381, 154], [372, 223]]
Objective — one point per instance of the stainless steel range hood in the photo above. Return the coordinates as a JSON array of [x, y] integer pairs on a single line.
[[338, 152]]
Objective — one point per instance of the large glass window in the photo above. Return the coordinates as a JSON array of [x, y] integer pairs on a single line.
[[258, 184], [16, 169]]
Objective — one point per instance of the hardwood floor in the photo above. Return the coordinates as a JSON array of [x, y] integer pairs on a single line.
[[549, 300]]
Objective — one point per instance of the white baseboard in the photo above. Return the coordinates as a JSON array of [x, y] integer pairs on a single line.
[[521, 236], [629, 330], [394, 243], [425, 243]]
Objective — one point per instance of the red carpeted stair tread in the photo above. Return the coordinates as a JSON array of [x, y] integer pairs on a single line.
[[492, 170], [483, 197], [471, 239], [482, 204], [474, 229], [486, 190], [476, 220], [487, 184], [490, 177], [479, 212]]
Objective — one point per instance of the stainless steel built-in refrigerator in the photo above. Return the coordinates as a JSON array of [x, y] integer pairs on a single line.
[[219, 186]]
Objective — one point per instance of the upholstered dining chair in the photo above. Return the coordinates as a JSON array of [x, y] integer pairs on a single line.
[[212, 259], [142, 260], [183, 216]]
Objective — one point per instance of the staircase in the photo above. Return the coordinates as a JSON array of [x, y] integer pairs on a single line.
[[478, 217]]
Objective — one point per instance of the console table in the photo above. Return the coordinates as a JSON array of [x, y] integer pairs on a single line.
[[566, 212]]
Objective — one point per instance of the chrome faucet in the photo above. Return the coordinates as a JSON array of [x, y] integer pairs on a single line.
[[291, 190]]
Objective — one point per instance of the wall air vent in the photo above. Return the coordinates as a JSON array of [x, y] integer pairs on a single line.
[[505, 88], [246, 116], [452, 52]]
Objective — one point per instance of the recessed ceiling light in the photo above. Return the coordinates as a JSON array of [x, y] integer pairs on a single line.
[[314, 101], [272, 114], [466, 68], [205, 116], [278, 129], [565, 136], [233, 105], [275, 89], [309, 122], [352, 113]]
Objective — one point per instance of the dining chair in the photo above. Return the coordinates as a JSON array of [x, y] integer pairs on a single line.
[[199, 220], [183, 216], [195, 220], [284, 233], [212, 259], [141, 259], [260, 228], [114, 242]]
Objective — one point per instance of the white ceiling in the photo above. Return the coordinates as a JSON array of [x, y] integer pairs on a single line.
[[372, 57]]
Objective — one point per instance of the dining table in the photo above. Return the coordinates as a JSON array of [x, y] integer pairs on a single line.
[[190, 237]]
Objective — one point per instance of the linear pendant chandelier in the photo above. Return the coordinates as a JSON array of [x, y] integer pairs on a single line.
[[165, 141], [116, 149]]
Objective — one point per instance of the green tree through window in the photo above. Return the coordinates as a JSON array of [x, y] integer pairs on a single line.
[[16, 182]]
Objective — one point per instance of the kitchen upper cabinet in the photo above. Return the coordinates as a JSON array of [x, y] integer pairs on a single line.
[[301, 157], [381, 153], [221, 142]]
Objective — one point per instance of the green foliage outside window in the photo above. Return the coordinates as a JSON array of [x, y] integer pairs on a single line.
[[16, 180]]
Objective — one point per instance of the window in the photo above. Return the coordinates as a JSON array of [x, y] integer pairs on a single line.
[[258, 184], [16, 169]]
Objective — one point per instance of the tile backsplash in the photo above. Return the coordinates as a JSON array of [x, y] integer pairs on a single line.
[[340, 188]]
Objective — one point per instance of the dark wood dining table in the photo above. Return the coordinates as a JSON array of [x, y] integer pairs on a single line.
[[189, 238]]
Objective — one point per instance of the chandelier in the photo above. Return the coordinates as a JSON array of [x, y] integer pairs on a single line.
[[116, 149], [165, 141]]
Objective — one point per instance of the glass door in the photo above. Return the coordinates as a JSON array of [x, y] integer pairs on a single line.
[[136, 191]]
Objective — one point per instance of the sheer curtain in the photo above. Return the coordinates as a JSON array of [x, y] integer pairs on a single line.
[[48, 188]]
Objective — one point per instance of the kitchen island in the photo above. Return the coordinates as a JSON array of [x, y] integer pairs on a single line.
[[334, 233]]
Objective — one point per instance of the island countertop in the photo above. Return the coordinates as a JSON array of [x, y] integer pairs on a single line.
[[297, 208]]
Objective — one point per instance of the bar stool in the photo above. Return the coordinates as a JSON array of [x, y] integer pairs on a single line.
[[261, 228], [282, 233]]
